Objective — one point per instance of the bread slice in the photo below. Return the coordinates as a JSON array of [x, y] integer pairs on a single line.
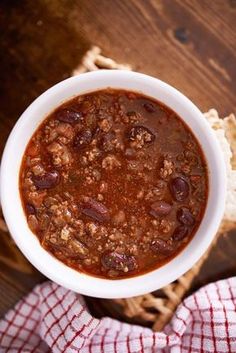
[[225, 131]]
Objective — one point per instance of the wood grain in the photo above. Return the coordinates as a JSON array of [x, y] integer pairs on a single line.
[[190, 44], [142, 33]]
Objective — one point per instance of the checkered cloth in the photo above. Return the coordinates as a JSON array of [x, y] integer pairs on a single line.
[[54, 319]]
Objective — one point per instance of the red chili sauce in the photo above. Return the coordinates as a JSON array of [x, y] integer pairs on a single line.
[[114, 184]]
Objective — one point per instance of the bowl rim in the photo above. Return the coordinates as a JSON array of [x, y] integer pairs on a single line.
[[55, 269]]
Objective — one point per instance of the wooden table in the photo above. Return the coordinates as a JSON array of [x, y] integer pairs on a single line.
[[190, 44]]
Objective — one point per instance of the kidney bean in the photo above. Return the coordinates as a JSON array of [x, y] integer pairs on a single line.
[[179, 189], [46, 181], [95, 210], [160, 246], [184, 216], [141, 133], [180, 232], [82, 139], [160, 208], [149, 107], [68, 115], [119, 262], [30, 209]]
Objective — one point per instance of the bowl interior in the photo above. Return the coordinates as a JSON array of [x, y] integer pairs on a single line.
[[11, 203]]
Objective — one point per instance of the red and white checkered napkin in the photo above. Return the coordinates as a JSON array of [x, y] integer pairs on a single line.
[[54, 319]]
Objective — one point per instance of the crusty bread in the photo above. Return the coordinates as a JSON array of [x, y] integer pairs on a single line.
[[225, 130]]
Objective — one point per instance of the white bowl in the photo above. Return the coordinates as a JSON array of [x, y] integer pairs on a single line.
[[28, 242]]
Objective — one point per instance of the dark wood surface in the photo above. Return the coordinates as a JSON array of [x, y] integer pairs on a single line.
[[190, 44]]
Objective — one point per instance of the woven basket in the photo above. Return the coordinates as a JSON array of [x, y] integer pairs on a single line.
[[157, 307]]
